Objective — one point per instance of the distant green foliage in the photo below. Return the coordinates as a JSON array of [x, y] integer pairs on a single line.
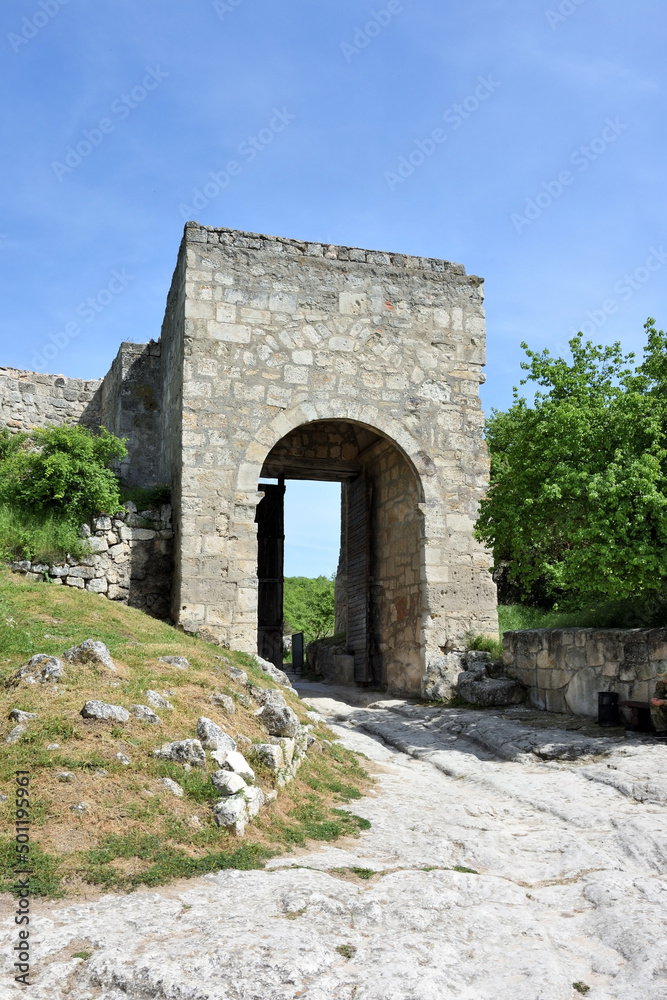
[[578, 500], [486, 644], [60, 472], [309, 606]]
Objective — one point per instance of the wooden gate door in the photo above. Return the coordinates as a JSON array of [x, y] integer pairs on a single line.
[[358, 577], [270, 519]]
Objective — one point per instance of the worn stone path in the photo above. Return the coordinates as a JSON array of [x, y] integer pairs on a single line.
[[565, 828]]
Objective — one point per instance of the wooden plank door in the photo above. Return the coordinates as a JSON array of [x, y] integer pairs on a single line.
[[270, 519], [358, 577]]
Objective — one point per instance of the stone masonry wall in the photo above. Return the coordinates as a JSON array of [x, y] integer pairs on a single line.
[[130, 560], [277, 334], [396, 570], [30, 399], [565, 668]]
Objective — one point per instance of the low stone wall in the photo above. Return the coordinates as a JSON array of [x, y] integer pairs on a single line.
[[30, 399], [564, 669], [130, 560]]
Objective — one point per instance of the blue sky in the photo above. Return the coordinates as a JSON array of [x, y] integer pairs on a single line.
[[548, 177]]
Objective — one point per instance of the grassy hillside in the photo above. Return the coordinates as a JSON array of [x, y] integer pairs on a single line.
[[133, 830]]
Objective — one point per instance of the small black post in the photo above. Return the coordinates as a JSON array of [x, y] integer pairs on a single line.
[[608, 708], [297, 651]]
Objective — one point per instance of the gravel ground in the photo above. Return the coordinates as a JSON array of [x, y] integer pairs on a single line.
[[564, 829]]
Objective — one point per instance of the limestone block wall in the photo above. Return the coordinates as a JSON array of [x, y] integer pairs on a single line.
[[278, 333], [130, 560], [31, 399], [131, 408], [565, 668]]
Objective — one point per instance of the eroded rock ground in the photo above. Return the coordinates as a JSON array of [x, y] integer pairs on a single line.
[[565, 828]]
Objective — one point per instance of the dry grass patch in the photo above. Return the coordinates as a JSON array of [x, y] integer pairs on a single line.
[[133, 830]]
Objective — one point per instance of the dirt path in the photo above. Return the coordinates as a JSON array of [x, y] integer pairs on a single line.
[[564, 830]]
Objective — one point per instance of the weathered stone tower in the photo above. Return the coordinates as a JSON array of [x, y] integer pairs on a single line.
[[280, 359]]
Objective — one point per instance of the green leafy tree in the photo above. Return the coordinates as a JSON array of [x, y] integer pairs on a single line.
[[578, 495], [309, 606], [60, 471]]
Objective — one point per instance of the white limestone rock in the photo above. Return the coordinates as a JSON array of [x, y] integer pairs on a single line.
[[19, 716], [16, 733], [91, 651], [107, 713], [156, 700], [40, 669], [232, 812], [234, 761], [224, 702], [270, 755], [123, 758], [439, 683], [213, 737], [240, 676], [279, 721], [183, 752], [274, 672], [146, 714], [180, 662], [228, 783], [173, 787]]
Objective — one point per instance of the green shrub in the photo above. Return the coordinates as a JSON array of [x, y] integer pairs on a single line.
[[47, 539], [61, 472]]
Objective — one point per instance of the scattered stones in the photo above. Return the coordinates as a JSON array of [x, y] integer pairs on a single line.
[[40, 669], [108, 713], [172, 786], [244, 699], [232, 812], [123, 758], [91, 651], [224, 702], [240, 676], [213, 737], [3, 798], [18, 716], [176, 661], [316, 718], [80, 808], [277, 675], [279, 720], [157, 701], [53, 746], [66, 776], [243, 741], [101, 772], [146, 714], [228, 783], [254, 798], [16, 734], [236, 762], [183, 752]]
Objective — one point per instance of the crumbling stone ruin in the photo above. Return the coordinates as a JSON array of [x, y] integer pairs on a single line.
[[279, 360]]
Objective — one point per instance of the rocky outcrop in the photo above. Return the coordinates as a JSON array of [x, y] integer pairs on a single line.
[[103, 712], [40, 669]]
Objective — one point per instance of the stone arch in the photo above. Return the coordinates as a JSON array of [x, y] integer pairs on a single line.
[[399, 596]]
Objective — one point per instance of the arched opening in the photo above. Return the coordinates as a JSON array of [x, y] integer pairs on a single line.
[[379, 586]]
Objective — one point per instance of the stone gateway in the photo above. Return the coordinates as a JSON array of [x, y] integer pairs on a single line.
[[284, 360]]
